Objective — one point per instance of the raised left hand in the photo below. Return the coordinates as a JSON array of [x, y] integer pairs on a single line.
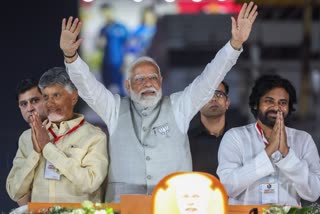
[[241, 28], [70, 30]]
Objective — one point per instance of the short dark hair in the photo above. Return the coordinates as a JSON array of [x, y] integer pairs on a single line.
[[226, 87], [25, 85], [264, 84]]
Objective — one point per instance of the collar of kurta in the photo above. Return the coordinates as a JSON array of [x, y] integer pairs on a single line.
[[143, 111], [65, 127], [260, 132]]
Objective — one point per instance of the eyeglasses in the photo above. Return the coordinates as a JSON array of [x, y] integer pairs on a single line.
[[139, 79], [219, 94]]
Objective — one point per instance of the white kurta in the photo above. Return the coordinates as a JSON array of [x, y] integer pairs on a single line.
[[139, 155], [244, 165]]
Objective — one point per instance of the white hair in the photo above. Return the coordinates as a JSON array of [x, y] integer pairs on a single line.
[[140, 60]]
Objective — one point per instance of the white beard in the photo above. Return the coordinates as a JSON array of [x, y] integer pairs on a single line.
[[53, 117], [146, 101]]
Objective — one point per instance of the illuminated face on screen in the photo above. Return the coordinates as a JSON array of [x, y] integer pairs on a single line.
[[192, 200], [189, 193]]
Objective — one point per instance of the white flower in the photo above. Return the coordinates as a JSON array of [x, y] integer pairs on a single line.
[[87, 207], [78, 211], [286, 208], [87, 204], [100, 212], [97, 204]]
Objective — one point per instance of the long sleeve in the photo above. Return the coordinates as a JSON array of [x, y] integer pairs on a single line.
[[100, 99], [84, 166], [236, 171], [244, 166], [188, 102], [20, 178], [302, 166]]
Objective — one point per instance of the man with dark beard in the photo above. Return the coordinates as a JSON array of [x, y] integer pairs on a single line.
[[267, 162], [148, 131]]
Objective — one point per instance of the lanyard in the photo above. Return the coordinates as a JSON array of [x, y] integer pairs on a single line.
[[260, 131], [56, 138], [275, 175]]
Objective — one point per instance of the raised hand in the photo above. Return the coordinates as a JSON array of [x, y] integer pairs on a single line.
[[241, 27], [70, 30], [40, 135]]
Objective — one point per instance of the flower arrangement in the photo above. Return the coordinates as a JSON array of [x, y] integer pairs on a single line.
[[312, 209], [87, 208]]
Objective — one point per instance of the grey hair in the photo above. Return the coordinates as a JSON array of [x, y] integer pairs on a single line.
[[59, 76], [140, 60]]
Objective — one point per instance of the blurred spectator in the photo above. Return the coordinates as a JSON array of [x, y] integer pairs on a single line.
[[113, 38]]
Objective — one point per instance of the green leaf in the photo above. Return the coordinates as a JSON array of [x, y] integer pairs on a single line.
[[304, 210], [293, 210]]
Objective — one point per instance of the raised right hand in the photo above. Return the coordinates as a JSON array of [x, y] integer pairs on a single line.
[[70, 30]]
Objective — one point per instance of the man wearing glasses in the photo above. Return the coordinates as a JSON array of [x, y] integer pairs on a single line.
[[148, 131], [207, 129]]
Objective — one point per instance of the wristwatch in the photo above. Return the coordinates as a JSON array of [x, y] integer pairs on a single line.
[[277, 156]]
